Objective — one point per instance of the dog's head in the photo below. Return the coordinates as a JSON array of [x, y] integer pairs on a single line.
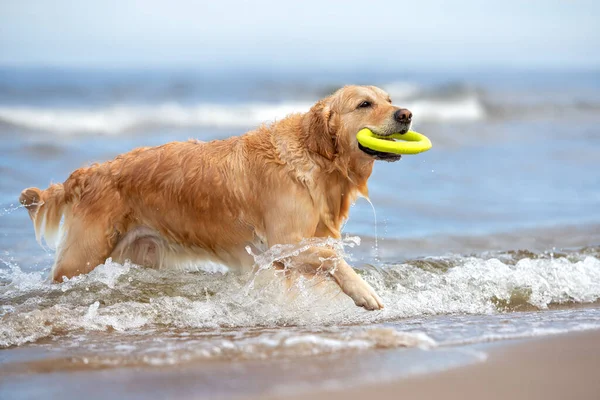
[[332, 123]]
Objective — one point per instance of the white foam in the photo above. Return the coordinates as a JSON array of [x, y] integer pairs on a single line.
[[476, 285], [464, 105], [126, 118], [263, 344], [464, 109], [119, 119], [400, 90], [133, 299]]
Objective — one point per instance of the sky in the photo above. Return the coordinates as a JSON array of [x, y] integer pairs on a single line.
[[308, 33]]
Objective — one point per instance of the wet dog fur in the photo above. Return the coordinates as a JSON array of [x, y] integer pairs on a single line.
[[278, 184]]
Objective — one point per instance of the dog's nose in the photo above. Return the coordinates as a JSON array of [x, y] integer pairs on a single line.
[[403, 115]]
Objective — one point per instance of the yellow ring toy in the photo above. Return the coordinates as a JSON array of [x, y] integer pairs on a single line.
[[409, 143]]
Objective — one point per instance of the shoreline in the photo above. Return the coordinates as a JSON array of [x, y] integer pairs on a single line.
[[555, 367], [547, 367]]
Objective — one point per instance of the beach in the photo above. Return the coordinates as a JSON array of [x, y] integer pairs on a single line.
[[553, 367], [559, 367], [485, 250]]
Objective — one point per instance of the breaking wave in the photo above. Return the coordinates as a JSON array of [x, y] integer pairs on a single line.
[[113, 107], [130, 299], [119, 119], [129, 118], [442, 104]]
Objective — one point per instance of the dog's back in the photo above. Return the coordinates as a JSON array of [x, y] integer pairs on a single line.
[[163, 200]]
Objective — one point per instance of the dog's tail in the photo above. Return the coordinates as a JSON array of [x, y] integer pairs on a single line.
[[46, 209]]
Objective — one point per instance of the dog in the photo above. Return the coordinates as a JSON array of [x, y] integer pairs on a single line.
[[277, 185]]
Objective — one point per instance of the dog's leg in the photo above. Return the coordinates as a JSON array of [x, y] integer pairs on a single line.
[[286, 224], [321, 259], [141, 246], [344, 275], [354, 286], [145, 252], [85, 246]]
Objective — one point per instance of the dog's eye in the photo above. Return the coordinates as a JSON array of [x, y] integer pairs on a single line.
[[364, 104]]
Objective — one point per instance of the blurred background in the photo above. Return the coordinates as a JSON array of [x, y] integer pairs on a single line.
[[509, 93]]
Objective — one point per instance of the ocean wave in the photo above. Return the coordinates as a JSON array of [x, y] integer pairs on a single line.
[[531, 333], [402, 90], [129, 118], [117, 119], [126, 298], [179, 347]]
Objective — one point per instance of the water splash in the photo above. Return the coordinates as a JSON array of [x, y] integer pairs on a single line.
[[127, 298], [376, 248], [10, 209]]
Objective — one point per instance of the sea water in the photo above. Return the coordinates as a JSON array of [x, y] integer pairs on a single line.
[[491, 235]]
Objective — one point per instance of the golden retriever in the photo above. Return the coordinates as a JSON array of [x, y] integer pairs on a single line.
[[279, 184]]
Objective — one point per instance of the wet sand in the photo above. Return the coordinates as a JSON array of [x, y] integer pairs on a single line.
[[551, 367], [558, 367]]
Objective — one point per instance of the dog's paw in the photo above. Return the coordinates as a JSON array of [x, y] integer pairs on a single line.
[[363, 295]]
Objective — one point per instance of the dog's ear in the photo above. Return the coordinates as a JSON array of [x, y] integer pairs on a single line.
[[320, 137]]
